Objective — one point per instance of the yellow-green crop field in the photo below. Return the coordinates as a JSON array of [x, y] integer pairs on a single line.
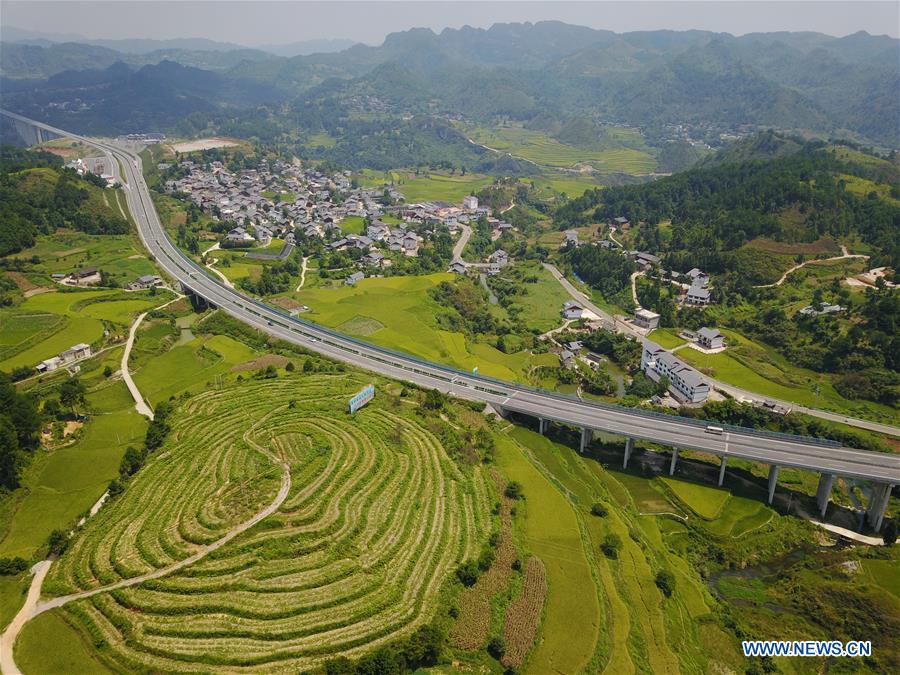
[[432, 185], [540, 148], [368, 519]]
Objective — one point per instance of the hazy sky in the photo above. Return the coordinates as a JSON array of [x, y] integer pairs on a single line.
[[254, 23]]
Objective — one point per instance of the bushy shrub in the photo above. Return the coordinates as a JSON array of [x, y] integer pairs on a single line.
[[665, 580], [611, 546]]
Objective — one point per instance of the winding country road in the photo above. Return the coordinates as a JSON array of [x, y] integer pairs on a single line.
[[139, 403], [460, 245], [845, 255], [211, 266]]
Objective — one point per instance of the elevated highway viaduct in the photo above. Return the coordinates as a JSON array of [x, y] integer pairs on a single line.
[[776, 450]]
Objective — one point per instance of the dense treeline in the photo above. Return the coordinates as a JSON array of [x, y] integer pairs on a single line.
[[275, 278], [27, 211], [19, 425], [720, 208], [607, 271]]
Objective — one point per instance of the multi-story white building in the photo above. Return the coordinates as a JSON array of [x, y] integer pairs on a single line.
[[685, 383]]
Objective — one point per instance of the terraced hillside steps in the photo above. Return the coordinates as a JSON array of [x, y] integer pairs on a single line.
[[374, 518]]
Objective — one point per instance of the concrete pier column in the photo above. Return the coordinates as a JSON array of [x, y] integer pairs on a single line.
[[542, 425], [773, 481], [674, 460], [629, 446], [722, 470], [878, 503], [587, 435], [823, 494]]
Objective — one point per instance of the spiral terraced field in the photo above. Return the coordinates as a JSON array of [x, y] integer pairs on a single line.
[[376, 519]]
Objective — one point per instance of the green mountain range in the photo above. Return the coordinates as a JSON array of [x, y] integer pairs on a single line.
[[530, 73]]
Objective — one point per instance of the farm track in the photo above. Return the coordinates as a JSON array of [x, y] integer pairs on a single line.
[[845, 255], [174, 576]]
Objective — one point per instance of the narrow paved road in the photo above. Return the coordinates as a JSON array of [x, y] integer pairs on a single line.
[[736, 392], [585, 301], [463, 240], [211, 265], [8, 639], [634, 276], [844, 256], [139, 403]]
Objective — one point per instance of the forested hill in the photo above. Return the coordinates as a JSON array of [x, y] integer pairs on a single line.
[[37, 196], [525, 72], [798, 197]]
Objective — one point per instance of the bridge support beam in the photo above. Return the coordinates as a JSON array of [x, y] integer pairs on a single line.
[[722, 470], [773, 481], [878, 502], [629, 446], [587, 435], [674, 460], [542, 425], [823, 494]]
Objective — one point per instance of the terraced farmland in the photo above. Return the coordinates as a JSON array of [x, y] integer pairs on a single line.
[[376, 518]]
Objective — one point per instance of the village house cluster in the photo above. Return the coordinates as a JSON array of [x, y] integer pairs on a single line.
[[285, 201]]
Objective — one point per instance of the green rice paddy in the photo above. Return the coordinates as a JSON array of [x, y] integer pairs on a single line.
[[406, 314]]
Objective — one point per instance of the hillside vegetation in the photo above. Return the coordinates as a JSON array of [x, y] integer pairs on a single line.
[[717, 209], [558, 79], [37, 196]]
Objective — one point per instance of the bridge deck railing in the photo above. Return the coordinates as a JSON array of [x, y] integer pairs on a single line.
[[455, 372]]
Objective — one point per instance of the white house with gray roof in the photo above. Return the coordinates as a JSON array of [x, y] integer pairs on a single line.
[[685, 384]]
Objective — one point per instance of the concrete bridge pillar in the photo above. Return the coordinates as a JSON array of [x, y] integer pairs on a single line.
[[674, 460], [587, 435], [773, 481], [629, 446], [878, 502], [823, 494], [722, 470], [542, 425]]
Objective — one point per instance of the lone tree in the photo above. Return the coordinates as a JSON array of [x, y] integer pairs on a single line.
[[71, 393], [496, 648], [514, 490], [611, 546], [434, 400], [468, 573], [890, 532], [599, 510], [665, 580]]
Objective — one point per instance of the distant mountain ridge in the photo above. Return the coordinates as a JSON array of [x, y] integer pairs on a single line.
[[806, 82]]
